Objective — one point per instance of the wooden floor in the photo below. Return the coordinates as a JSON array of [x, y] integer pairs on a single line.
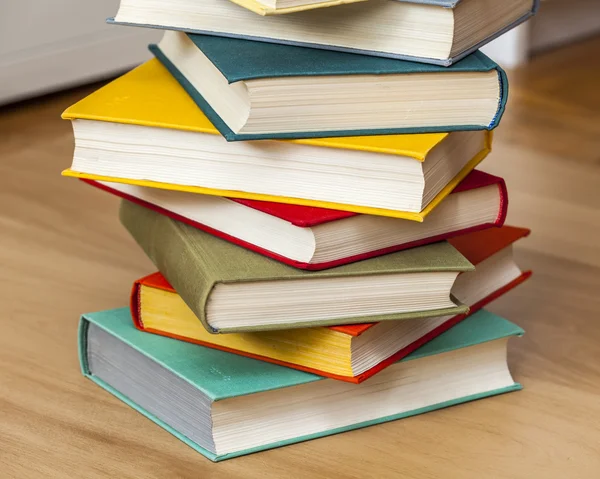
[[62, 252]]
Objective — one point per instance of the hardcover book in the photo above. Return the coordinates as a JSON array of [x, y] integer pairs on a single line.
[[231, 289], [350, 353], [427, 31], [316, 238], [254, 90], [144, 129], [215, 402]]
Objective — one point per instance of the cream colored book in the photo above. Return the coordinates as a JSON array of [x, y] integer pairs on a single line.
[[432, 31]]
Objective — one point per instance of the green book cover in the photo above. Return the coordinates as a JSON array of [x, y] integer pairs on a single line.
[[239, 59], [220, 375], [194, 262]]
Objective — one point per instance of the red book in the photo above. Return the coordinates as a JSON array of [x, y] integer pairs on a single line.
[[316, 238], [349, 353]]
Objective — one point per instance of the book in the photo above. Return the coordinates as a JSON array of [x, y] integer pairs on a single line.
[[430, 31], [215, 402], [144, 129], [232, 289], [255, 90], [281, 7], [350, 353], [316, 238]]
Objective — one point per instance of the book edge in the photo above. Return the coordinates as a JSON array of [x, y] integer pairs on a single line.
[[215, 458], [411, 216], [260, 197], [495, 35], [450, 311], [144, 412], [434, 407]]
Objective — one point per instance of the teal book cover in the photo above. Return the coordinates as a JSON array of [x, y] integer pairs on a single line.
[[219, 375], [241, 60], [238, 59]]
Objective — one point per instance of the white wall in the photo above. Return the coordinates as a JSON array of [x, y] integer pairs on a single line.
[[511, 49], [564, 21], [557, 23], [46, 45]]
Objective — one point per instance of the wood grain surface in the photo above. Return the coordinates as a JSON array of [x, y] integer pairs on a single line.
[[63, 252]]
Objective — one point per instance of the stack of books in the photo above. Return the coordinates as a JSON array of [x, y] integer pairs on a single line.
[[304, 182]]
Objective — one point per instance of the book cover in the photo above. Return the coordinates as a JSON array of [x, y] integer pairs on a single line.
[[194, 262], [149, 96], [239, 60], [238, 375], [262, 9], [475, 247], [307, 217]]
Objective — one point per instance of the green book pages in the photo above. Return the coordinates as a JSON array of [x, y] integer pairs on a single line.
[[232, 289], [233, 60], [213, 400]]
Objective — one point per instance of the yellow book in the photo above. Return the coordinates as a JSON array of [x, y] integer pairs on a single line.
[[144, 129], [278, 7], [352, 352]]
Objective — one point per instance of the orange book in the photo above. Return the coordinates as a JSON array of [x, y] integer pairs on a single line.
[[350, 353]]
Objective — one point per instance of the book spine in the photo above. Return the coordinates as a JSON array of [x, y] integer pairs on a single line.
[[171, 252], [82, 344], [503, 80], [135, 305], [401, 247], [503, 210]]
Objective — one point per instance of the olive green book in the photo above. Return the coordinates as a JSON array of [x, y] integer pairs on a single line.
[[231, 289]]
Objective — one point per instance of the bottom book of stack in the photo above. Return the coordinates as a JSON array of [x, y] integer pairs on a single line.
[[225, 405]]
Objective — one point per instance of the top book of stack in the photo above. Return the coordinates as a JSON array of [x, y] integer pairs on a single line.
[[427, 31]]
